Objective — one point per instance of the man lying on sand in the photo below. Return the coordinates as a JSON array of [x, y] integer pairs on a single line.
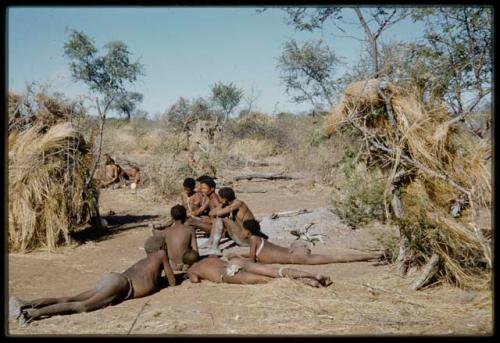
[[141, 279], [242, 271], [263, 251]]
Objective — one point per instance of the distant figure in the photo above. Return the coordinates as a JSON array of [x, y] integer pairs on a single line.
[[141, 279], [112, 172]]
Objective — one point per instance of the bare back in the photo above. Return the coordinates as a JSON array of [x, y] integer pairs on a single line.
[[179, 239], [210, 268], [242, 213], [145, 275], [269, 253]]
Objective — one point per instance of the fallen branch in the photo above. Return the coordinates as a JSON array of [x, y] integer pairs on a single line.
[[289, 213], [427, 273], [137, 317], [250, 191], [266, 176]]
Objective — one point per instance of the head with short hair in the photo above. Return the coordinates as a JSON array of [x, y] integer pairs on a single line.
[[189, 184], [227, 194], [155, 243], [108, 159], [204, 177], [190, 257], [254, 227], [178, 212], [207, 186]]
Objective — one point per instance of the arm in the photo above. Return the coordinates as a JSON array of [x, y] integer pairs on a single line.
[[194, 242], [184, 200], [114, 177], [168, 270], [253, 248], [204, 205], [193, 277], [213, 212], [228, 209]]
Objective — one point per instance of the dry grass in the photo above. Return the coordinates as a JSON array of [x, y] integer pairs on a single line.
[[444, 160], [47, 193]]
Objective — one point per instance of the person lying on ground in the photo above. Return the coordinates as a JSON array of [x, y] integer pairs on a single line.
[[232, 213], [243, 271], [263, 251], [179, 238], [130, 175], [141, 279]]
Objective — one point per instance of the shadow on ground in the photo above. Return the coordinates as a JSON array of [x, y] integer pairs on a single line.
[[116, 224]]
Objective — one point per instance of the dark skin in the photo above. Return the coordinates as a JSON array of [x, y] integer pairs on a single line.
[[145, 276], [179, 238], [238, 212], [112, 172], [209, 201], [213, 269], [272, 253]]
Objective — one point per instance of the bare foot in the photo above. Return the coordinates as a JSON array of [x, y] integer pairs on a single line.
[[16, 305], [25, 317]]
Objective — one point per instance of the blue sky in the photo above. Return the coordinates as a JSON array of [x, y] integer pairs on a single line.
[[183, 50]]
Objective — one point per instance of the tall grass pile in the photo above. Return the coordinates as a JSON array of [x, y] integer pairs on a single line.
[[431, 163], [49, 164]]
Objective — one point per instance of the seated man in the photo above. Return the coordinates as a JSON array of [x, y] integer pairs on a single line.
[[191, 200], [112, 172], [235, 212], [141, 279], [130, 174], [241, 271], [179, 238], [209, 201], [266, 252]]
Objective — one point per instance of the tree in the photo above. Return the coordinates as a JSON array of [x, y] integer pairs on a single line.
[[226, 97], [308, 71], [106, 75], [126, 103], [461, 40], [374, 22]]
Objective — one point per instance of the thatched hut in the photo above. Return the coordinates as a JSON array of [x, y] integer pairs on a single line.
[[49, 164], [438, 178]]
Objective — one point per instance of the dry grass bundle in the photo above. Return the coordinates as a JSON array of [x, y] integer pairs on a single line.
[[48, 167], [443, 161]]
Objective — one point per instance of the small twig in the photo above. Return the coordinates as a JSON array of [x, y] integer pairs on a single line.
[[137, 317]]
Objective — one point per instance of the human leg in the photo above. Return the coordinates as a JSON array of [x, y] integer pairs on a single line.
[[110, 289]]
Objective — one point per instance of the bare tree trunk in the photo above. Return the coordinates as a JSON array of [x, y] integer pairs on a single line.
[[372, 40]]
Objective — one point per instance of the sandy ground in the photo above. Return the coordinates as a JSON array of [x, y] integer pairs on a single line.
[[365, 299]]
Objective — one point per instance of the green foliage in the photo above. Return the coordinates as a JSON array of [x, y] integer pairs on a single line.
[[359, 198], [307, 71], [226, 97], [126, 103], [107, 74]]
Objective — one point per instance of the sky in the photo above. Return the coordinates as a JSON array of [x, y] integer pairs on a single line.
[[184, 50]]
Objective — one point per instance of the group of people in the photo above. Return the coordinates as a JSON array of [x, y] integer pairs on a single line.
[[173, 249]]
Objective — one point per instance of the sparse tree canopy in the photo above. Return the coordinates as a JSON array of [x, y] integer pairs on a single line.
[[462, 47], [308, 70], [126, 103], [106, 75], [374, 22], [226, 97]]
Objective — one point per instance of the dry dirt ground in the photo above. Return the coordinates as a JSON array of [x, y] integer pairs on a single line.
[[365, 299]]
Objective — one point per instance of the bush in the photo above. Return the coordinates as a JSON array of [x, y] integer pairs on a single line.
[[359, 198]]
